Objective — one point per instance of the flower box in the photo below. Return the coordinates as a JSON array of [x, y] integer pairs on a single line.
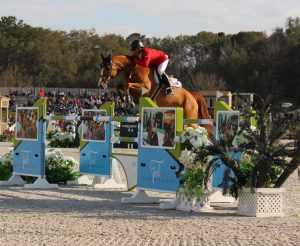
[[263, 202], [192, 204]]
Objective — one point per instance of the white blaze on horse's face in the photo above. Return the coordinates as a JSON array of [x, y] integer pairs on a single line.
[[108, 71], [101, 76], [103, 82]]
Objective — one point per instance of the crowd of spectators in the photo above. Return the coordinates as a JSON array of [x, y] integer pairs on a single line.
[[73, 104], [69, 103]]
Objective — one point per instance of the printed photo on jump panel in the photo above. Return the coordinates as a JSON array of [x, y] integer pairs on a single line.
[[93, 130], [227, 125], [158, 127], [27, 123]]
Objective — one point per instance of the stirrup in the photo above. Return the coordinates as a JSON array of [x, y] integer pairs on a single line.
[[169, 91]]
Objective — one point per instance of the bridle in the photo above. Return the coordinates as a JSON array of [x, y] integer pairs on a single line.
[[107, 66]]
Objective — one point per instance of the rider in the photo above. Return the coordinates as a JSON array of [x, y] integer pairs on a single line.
[[146, 56]]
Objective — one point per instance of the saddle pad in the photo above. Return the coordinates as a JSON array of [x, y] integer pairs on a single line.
[[173, 81]]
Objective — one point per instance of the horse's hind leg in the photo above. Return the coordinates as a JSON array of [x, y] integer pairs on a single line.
[[203, 111], [191, 111]]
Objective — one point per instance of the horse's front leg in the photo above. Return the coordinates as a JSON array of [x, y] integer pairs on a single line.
[[136, 89]]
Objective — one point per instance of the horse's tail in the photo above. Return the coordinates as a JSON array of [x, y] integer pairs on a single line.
[[203, 111]]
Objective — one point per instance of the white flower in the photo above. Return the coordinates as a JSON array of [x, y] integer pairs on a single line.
[[197, 137], [187, 157], [75, 163], [194, 139], [63, 136], [7, 157], [241, 137]]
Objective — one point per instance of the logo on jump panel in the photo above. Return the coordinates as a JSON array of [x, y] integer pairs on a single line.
[[25, 158], [155, 169], [92, 158]]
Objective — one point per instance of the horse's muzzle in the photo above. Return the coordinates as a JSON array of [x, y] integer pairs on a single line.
[[103, 85]]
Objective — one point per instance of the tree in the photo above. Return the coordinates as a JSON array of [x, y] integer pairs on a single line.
[[206, 81], [245, 62]]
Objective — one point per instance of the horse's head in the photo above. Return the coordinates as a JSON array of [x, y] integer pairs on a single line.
[[108, 71]]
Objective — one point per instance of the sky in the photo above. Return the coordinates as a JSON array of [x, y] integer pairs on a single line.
[[154, 18]]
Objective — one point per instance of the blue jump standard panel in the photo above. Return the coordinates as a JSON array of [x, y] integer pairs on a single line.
[[158, 162], [29, 155], [157, 170], [95, 156]]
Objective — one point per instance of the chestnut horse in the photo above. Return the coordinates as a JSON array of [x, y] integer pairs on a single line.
[[140, 79]]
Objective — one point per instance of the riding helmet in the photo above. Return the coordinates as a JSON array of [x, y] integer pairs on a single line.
[[135, 44]]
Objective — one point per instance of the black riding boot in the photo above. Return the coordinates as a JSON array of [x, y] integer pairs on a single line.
[[166, 82]]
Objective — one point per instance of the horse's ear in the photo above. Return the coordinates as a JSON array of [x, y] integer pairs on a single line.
[[102, 56]]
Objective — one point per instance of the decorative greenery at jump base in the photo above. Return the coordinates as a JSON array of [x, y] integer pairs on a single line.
[[59, 168]]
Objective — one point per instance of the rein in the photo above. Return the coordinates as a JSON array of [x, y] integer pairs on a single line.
[[132, 66]]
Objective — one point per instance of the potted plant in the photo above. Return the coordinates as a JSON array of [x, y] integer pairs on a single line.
[[256, 178], [191, 194]]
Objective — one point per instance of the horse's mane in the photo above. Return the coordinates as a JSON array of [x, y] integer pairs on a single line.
[[127, 56], [122, 58]]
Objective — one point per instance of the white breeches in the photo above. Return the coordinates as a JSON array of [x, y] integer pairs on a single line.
[[162, 67]]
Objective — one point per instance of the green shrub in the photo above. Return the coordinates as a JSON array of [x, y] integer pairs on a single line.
[[192, 182], [60, 169], [6, 167], [192, 175], [5, 171]]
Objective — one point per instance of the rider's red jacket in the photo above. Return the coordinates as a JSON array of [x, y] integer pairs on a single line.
[[150, 57]]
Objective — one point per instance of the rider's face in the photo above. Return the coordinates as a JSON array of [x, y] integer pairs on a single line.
[[135, 52]]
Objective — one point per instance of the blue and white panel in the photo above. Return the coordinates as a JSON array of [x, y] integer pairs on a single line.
[[29, 154], [95, 155], [157, 170], [156, 165]]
